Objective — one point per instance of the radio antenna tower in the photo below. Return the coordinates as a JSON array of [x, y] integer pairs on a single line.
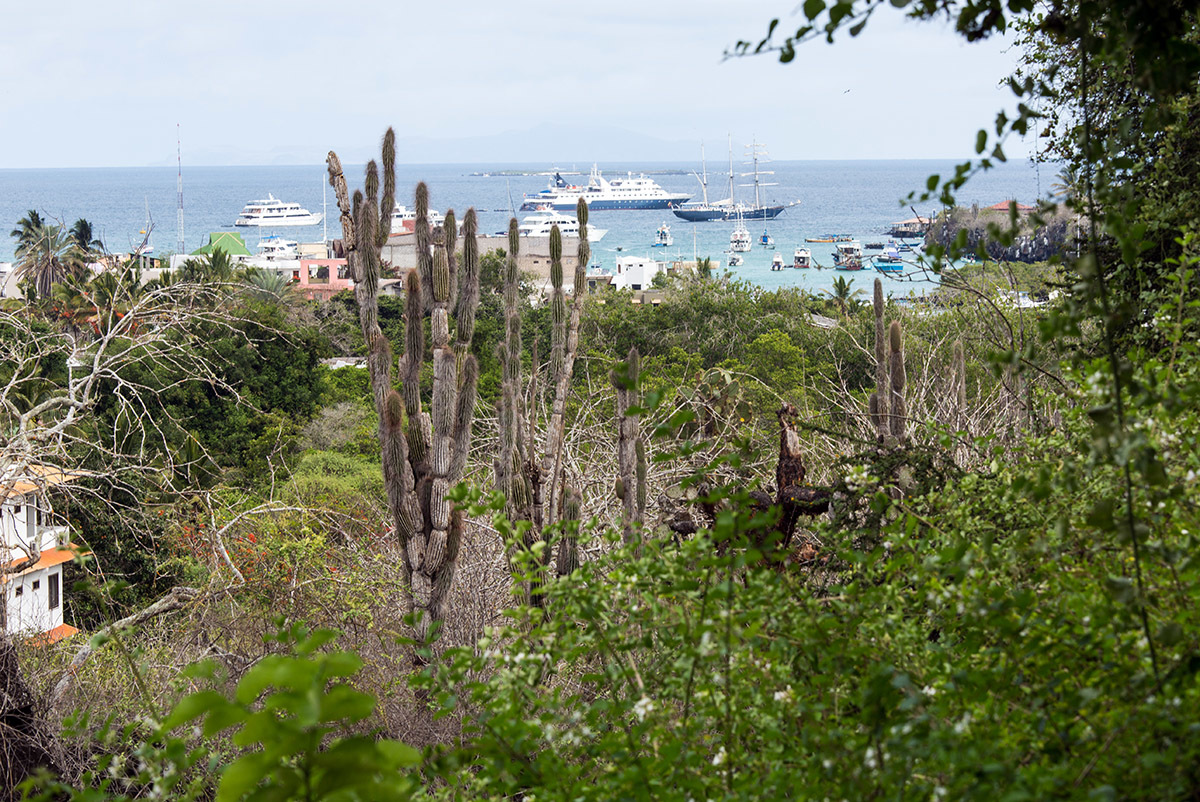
[[179, 187]]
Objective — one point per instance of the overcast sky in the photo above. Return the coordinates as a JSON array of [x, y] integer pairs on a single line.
[[91, 83]]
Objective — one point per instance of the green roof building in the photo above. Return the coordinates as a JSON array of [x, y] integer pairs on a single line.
[[227, 241]]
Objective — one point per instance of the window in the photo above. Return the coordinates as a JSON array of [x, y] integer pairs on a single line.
[[53, 591], [20, 590], [37, 583]]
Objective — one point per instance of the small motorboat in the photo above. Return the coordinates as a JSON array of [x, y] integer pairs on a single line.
[[777, 262], [847, 256], [736, 260], [662, 237], [802, 258]]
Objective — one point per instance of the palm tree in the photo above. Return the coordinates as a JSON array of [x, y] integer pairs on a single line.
[[267, 285], [84, 237], [46, 257], [29, 229], [1066, 185], [842, 294]]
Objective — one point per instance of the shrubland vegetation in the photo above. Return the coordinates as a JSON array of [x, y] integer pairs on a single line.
[[937, 551]]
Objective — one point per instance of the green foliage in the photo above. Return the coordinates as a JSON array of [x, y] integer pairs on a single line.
[[289, 721]]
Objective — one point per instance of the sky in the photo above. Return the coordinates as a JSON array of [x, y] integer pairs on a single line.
[[105, 83]]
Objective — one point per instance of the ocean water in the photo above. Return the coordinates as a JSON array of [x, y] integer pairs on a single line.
[[853, 197]]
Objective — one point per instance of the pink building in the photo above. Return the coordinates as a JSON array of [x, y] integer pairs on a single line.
[[323, 278]]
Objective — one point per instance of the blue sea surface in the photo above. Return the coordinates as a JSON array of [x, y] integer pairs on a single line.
[[860, 198]]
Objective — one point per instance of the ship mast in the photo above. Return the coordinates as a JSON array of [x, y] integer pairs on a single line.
[[757, 153], [731, 203], [179, 191]]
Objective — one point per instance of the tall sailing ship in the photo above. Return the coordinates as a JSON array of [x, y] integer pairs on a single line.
[[728, 208]]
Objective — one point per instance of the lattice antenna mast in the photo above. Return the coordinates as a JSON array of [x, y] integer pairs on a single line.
[[179, 190]]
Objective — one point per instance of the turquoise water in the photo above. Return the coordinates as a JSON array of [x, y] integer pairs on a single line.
[[854, 197]]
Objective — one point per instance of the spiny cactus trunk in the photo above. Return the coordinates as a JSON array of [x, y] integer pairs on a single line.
[[423, 453], [556, 430], [899, 411], [531, 477], [631, 470], [879, 399]]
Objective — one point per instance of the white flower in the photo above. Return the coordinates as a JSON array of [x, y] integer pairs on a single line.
[[859, 477], [720, 757], [929, 691], [642, 708], [785, 695]]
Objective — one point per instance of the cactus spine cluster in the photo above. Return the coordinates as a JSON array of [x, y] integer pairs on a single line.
[[424, 452], [529, 476], [631, 451]]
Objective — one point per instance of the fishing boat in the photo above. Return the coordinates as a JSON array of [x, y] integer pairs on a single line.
[[600, 194], [777, 262], [540, 224], [802, 258], [662, 237], [847, 256], [274, 212]]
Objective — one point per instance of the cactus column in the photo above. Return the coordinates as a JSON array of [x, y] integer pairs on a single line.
[[424, 453], [879, 399], [526, 475]]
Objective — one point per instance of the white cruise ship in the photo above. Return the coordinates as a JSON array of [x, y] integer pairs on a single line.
[[539, 225], [274, 212], [600, 194]]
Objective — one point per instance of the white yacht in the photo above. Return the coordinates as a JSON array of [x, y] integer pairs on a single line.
[[739, 240], [539, 225], [403, 214], [275, 248], [274, 212]]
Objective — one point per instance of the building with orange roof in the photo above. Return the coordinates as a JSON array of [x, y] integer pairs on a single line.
[[33, 548]]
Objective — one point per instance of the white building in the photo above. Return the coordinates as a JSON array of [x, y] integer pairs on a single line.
[[637, 272], [33, 548]]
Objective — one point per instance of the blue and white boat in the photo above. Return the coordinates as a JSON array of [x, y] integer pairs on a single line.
[[662, 237], [600, 194], [889, 261]]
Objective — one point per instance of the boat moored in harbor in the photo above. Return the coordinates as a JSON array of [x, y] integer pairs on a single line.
[[274, 212], [662, 237], [847, 256], [802, 259], [777, 262], [600, 194], [540, 224]]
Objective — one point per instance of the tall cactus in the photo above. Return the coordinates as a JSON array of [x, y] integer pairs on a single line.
[[528, 474], [896, 405], [958, 387], [423, 452], [631, 454], [879, 399]]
